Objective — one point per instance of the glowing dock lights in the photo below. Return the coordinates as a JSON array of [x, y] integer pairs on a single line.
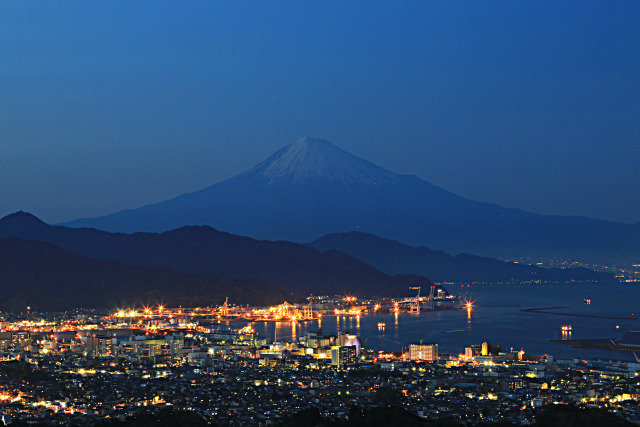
[[566, 331], [469, 307]]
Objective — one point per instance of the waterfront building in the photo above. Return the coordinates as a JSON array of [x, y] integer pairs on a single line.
[[423, 351], [473, 351]]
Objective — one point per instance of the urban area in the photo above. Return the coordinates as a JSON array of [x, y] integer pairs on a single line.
[[84, 367]]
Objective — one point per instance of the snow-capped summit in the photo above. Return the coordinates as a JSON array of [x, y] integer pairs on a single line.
[[310, 159]]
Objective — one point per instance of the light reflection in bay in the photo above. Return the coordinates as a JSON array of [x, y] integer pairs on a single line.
[[496, 317]]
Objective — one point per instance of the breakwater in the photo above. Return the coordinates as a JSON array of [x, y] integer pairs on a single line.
[[547, 310]]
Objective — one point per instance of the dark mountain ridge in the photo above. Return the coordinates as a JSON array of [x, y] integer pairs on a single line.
[[313, 188], [392, 257], [47, 278], [203, 250]]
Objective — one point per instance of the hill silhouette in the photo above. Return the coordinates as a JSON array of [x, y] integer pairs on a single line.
[[205, 251], [47, 278], [393, 257]]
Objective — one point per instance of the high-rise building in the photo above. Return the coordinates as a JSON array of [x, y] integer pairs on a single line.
[[486, 348], [341, 356], [423, 351], [473, 351]]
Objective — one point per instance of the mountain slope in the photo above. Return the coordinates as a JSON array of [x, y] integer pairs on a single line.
[[206, 251], [312, 188], [45, 277], [393, 257]]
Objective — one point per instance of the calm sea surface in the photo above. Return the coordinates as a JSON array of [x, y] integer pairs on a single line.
[[496, 317]]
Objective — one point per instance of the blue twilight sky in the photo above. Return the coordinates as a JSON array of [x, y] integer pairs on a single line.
[[107, 105]]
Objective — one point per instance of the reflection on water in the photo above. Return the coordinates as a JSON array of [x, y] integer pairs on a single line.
[[495, 317]]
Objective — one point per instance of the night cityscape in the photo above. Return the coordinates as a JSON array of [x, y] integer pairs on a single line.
[[319, 214], [84, 367]]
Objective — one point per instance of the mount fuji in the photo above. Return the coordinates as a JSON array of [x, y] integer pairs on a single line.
[[312, 187]]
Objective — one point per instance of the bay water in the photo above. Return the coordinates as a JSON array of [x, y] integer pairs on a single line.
[[496, 317]]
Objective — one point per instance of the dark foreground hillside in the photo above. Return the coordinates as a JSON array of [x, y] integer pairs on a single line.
[[550, 416]]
